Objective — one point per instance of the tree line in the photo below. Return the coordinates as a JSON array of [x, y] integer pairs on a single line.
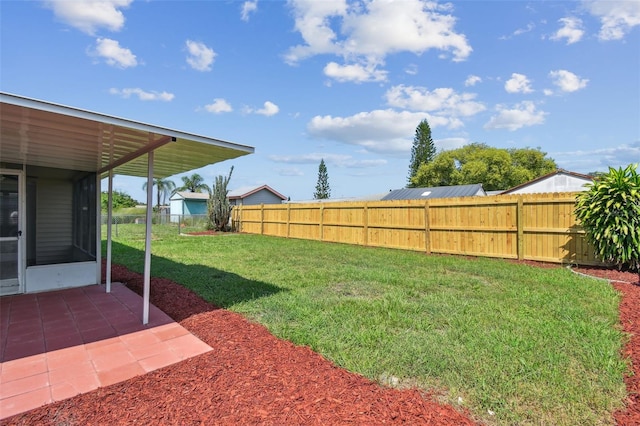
[[494, 168]]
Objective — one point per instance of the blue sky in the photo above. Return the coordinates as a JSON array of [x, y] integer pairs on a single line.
[[347, 81]]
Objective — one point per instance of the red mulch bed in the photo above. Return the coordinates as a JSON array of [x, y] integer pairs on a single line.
[[252, 377]]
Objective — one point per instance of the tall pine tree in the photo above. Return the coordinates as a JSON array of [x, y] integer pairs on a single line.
[[422, 151], [322, 187]]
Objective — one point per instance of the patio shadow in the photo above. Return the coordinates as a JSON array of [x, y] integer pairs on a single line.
[[218, 288]]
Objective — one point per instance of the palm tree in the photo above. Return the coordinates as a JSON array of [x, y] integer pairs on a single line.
[[164, 187], [194, 183]]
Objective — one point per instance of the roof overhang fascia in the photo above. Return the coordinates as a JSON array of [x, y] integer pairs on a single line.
[[50, 135]]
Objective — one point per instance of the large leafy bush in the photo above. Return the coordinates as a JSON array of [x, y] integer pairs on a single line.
[[610, 215]]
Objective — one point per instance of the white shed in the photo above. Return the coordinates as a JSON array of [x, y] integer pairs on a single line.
[[558, 181]]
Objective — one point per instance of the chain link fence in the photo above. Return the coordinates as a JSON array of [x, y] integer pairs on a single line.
[[132, 226]]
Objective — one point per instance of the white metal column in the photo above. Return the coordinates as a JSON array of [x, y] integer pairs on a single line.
[[147, 245], [109, 220]]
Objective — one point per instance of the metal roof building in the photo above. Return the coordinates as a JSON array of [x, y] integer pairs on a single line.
[[436, 192]]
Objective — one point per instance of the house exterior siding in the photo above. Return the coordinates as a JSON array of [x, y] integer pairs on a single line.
[[558, 181], [261, 197], [195, 207]]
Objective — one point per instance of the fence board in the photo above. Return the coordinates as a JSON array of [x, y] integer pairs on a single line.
[[524, 226]]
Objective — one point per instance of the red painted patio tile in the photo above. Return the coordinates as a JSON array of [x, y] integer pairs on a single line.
[[24, 385], [68, 356], [169, 331], [103, 342], [148, 351], [68, 372], [62, 342], [24, 316], [90, 324], [24, 338], [96, 334], [140, 339], [123, 372], [159, 360], [64, 390], [112, 360], [115, 345], [24, 402], [25, 327], [128, 328], [24, 367], [12, 352], [188, 346], [62, 323]]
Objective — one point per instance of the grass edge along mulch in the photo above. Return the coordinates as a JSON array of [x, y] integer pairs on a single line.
[[250, 377], [630, 321]]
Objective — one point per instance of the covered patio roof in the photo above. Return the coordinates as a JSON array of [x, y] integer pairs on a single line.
[[45, 134], [38, 133]]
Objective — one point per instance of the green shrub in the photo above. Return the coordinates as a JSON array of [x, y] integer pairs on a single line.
[[610, 215]]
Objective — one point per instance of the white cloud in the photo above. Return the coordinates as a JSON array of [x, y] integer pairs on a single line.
[[339, 160], [411, 69], [571, 30], [617, 18], [290, 171], [248, 7], [440, 101], [601, 159], [382, 131], [89, 16], [142, 94], [567, 81], [447, 144], [218, 106], [355, 73], [518, 83], [113, 54], [268, 109], [472, 80], [369, 31], [200, 56], [523, 114], [530, 26]]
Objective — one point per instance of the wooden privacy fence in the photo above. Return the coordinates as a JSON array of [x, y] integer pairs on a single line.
[[539, 227]]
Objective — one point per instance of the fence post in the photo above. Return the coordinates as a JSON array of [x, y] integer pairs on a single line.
[[427, 231], [261, 219], [520, 226], [365, 218], [321, 220], [288, 219]]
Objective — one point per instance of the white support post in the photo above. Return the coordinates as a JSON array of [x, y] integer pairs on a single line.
[[109, 220], [98, 223], [147, 245]]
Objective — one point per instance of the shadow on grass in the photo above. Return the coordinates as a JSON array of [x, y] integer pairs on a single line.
[[182, 290]]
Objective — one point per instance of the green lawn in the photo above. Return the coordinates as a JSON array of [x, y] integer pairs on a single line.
[[533, 346]]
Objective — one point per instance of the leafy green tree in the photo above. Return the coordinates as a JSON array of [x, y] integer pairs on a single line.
[[164, 188], [422, 151], [194, 183], [119, 200], [322, 186], [218, 207], [609, 212], [495, 168]]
